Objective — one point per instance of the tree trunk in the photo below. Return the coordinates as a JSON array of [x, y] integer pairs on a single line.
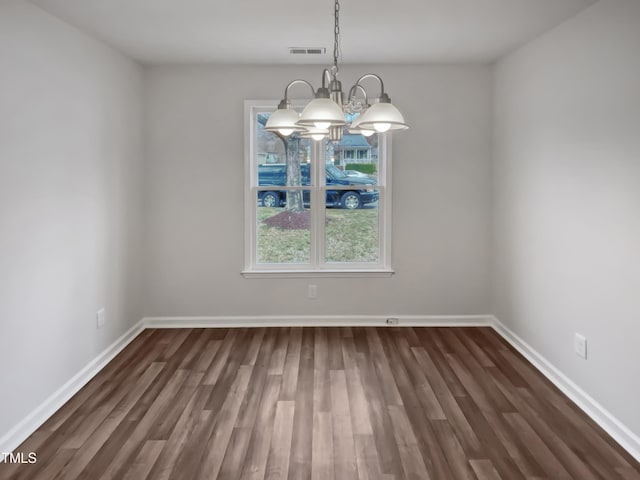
[[295, 201]]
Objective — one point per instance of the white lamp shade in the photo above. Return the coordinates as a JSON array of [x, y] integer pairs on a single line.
[[357, 131], [315, 133], [322, 113], [356, 128], [283, 121], [381, 117]]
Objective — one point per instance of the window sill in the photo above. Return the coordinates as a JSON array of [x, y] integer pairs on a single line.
[[373, 273]]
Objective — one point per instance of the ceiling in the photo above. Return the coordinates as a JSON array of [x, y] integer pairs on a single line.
[[261, 31]]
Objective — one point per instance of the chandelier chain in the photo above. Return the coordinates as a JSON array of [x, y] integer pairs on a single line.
[[336, 38]]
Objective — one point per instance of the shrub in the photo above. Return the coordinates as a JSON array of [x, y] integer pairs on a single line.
[[368, 168]]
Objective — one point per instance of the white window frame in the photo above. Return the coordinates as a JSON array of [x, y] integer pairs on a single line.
[[316, 268]]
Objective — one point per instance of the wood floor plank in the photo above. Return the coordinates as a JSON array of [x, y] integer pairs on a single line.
[[435, 347], [426, 441], [280, 446], [95, 442], [548, 393], [628, 473], [235, 454], [321, 381], [322, 456], [301, 446], [220, 358], [412, 460], [53, 468], [165, 424], [131, 355], [367, 458], [137, 438], [564, 450], [335, 350], [479, 376], [226, 419], [279, 356], [207, 356], [360, 421], [254, 346], [98, 464], [195, 350], [456, 457], [426, 395], [453, 414], [546, 458], [189, 459], [358, 403], [345, 465], [255, 462], [181, 432], [484, 469], [291, 365], [388, 453], [383, 370], [514, 446], [493, 449], [257, 382], [145, 460]]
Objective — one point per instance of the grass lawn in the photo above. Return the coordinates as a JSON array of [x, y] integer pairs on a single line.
[[351, 236]]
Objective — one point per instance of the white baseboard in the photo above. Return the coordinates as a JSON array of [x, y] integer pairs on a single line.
[[319, 321], [610, 424], [19, 433]]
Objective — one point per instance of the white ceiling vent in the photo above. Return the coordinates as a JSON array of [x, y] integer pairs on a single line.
[[307, 50]]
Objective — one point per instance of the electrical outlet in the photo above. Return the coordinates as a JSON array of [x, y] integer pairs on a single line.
[[101, 318], [580, 345], [313, 291], [392, 321]]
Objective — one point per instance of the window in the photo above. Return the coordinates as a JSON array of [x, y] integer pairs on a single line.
[[306, 216]]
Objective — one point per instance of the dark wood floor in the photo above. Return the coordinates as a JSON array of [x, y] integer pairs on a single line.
[[321, 404]]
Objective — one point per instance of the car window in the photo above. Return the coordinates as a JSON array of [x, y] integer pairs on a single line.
[[334, 172]]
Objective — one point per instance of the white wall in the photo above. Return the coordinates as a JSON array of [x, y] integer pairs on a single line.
[[567, 199], [194, 195], [70, 170]]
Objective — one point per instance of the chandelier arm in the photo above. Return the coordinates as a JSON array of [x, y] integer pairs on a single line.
[[372, 75], [326, 75], [352, 93], [295, 82]]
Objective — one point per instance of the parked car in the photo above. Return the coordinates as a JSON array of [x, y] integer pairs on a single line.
[[361, 194], [355, 173]]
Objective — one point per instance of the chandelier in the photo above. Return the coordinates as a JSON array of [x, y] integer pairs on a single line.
[[330, 112]]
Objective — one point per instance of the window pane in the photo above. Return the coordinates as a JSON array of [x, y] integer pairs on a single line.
[[283, 226], [352, 235], [349, 189], [281, 161], [355, 153]]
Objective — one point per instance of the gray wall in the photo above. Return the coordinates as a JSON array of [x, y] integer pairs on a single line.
[[194, 195], [567, 200], [70, 160]]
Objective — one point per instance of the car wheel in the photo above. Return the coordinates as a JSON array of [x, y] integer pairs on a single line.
[[350, 201], [270, 200]]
